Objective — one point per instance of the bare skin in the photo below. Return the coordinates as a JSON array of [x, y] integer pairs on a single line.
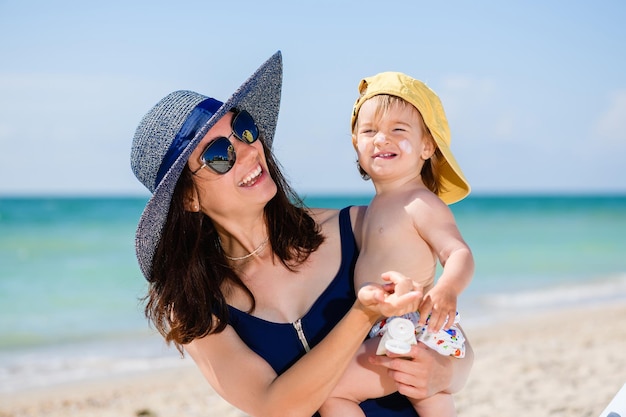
[[238, 374]]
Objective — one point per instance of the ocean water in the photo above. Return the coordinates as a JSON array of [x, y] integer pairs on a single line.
[[71, 290]]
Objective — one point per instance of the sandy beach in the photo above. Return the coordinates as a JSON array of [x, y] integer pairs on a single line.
[[558, 363]]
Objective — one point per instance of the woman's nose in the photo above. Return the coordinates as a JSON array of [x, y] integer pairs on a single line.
[[244, 149]]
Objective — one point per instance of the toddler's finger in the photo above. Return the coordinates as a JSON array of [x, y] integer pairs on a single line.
[[435, 322], [425, 310], [450, 319]]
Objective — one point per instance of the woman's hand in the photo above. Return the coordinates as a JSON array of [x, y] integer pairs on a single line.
[[423, 372], [399, 296]]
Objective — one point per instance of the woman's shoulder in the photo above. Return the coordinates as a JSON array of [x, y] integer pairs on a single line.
[[324, 215], [328, 219]]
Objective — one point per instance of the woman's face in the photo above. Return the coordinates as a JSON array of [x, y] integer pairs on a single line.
[[246, 185]]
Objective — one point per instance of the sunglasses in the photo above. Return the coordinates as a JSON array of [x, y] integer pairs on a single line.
[[219, 155]]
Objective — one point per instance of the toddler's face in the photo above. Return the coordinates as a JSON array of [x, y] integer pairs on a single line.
[[391, 141]]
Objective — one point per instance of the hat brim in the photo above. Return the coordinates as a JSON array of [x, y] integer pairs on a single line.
[[454, 185], [260, 96]]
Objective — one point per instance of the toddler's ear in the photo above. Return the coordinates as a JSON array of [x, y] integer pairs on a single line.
[[428, 148]]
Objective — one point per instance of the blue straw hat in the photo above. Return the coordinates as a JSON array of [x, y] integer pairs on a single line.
[[172, 129]]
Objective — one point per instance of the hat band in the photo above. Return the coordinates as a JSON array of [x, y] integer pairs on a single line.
[[196, 119]]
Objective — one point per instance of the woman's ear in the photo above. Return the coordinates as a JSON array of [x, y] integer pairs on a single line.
[[192, 202]]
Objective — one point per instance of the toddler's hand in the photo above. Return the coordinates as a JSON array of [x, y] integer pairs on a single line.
[[440, 304]]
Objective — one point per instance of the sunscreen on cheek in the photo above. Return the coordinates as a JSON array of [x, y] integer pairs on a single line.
[[406, 147]]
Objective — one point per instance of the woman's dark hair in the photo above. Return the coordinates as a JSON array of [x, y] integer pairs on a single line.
[[189, 270]]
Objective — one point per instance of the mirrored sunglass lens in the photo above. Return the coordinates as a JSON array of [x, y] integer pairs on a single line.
[[245, 128], [220, 155]]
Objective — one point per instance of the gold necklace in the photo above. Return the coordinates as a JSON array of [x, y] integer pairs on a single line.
[[254, 252]]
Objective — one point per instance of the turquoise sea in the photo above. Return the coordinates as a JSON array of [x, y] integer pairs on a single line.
[[70, 287]]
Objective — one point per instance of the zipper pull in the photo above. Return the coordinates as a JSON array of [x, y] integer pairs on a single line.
[[298, 326]]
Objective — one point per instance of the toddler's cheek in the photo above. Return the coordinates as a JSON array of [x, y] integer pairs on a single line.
[[406, 146]]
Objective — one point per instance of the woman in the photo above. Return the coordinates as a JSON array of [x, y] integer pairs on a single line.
[[244, 279]]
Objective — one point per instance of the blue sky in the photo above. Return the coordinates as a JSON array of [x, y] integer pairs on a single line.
[[535, 91]]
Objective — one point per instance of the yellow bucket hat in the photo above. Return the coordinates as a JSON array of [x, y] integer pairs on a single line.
[[454, 186]]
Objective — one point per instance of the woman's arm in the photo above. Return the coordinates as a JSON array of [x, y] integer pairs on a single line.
[[248, 382]]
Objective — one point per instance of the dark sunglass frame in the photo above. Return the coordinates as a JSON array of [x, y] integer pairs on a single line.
[[220, 155]]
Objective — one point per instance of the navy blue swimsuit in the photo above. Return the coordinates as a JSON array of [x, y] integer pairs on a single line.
[[279, 343]]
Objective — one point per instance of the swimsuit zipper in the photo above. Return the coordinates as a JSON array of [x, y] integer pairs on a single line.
[[298, 326]]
